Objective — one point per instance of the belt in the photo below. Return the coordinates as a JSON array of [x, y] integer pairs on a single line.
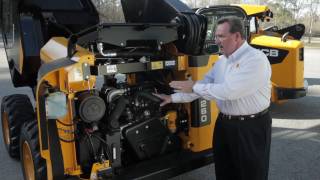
[[244, 117]]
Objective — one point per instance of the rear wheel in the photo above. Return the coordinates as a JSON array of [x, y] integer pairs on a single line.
[[33, 165], [15, 110]]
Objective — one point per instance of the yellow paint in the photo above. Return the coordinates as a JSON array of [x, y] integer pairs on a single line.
[[252, 9], [171, 117], [288, 73], [49, 168], [131, 79], [96, 167], [21, 57], [200, 139], [182, 63], [156, 65], [66, 80]]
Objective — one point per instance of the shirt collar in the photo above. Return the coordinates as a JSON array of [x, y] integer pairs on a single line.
[[236, 54]]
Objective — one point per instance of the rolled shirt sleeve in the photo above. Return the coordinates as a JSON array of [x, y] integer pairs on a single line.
[[184, 97]]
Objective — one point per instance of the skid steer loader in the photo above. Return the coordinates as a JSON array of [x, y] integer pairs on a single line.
[[283, 47], [81, 128]]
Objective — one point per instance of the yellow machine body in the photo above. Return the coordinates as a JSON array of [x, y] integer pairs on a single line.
[[289, 73], [69, 80]]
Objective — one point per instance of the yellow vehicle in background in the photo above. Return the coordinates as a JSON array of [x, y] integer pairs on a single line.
[[283, 47]]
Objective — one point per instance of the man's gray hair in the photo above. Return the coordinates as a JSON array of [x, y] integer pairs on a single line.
[[236, 24]]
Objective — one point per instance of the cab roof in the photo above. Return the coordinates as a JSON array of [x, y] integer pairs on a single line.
[[253, 10]]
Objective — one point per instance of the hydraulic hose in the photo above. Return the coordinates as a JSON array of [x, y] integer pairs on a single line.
[[113, 120], [192, 33]]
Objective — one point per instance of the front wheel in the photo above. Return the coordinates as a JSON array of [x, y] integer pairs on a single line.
[[15, 110], [33, 165]]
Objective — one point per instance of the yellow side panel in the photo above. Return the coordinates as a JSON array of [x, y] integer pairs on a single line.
[[200, 139], [68, 80], [66, 132], [252, 9], [182, 63], [288, 73]]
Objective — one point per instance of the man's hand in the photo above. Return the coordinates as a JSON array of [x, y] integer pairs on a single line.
[[182, 86], [166, 99]]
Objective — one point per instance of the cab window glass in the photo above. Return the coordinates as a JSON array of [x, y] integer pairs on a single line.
[[252, 24], [213, 15]]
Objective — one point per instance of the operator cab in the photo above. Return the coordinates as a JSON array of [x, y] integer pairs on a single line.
[[213, 14]]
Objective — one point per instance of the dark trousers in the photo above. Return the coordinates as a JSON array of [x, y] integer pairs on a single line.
[[242, 147]]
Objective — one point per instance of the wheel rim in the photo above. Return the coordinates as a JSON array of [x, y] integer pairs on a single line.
[[27, 161], [5, 128]]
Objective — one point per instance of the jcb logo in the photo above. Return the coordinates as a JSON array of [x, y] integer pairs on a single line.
[[274, 55], [271, 52]]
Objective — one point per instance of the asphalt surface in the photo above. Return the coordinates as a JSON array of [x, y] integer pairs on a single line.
[[295, 147]]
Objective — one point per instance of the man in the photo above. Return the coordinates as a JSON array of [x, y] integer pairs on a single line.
[[240, 84]]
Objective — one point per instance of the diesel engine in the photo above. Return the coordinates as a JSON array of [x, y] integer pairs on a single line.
[[123, 123]]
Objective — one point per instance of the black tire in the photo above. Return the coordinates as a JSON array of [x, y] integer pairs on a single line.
[[32, 164], [15, 110]]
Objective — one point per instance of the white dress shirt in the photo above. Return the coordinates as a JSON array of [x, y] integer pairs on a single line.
[[240, 84]]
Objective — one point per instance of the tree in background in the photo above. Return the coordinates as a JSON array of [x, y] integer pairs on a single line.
[[313, 16], [296, 7], [286, 12], [282, 15], [203, 3], [109, 10]]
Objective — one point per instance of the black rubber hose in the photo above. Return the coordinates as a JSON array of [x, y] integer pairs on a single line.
[[149, 96], [192, 33], [113, 121]]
